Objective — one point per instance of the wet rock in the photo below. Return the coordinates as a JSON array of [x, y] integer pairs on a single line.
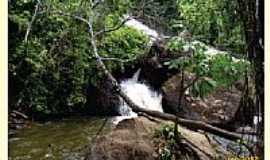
[[170, 90], [153, 70], [129, 140], [218, 108], [133, 139], [101, 100]]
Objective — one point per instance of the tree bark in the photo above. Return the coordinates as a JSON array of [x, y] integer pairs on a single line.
[[252, 15]]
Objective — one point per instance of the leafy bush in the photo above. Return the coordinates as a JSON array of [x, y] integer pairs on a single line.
[[50, 73], [220, 70], [214, 22], [166, 132], [176, 44], [125, 43], [225, 71]]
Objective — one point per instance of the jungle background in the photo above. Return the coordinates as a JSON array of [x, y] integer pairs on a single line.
[[54, 70]]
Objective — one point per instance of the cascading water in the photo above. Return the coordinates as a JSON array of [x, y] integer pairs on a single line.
[[140, 94]]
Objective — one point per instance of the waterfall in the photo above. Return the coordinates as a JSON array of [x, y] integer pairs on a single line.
[[140, 94], [135, 77], [151, 33]]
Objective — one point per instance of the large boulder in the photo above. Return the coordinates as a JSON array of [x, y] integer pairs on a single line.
[[153, 70], [218, 107], [133, 139], [171, 92], [130, 140], [101, 100]]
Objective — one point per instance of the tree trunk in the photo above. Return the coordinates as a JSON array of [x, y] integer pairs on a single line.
[[252, 14]]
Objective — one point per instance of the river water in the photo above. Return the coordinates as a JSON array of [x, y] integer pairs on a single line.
[[140, 94], [69, 138], [65, 139]]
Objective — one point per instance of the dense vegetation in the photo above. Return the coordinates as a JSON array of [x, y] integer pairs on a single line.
[[218, 70], [57, 49], [51, 69], [214, 22]]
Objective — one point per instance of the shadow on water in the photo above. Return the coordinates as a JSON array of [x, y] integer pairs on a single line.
[[62, 139]]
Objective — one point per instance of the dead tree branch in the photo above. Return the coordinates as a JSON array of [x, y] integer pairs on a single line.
[[196, 149], [71, 16], [191, 124], [114, 28], [187, 123], [118, 26], [117, 59], [96, 4], [32, 21]]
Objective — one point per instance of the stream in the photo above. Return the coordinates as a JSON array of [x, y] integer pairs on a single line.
[[62, 139], [68, 138]]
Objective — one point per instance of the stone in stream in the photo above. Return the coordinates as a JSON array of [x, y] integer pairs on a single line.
[[101, 100], [128, 141], [133, 139]]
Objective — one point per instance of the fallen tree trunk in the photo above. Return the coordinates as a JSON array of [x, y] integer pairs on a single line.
[[191, 124], [195, 125]]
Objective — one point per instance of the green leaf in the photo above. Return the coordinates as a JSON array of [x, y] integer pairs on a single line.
[[211, 82]]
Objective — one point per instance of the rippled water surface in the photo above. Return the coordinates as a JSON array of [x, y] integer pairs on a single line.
[[63, 139]]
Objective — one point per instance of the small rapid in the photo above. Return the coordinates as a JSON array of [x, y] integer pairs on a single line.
[[141, 94]]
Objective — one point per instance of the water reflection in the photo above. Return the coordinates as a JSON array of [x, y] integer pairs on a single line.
[[63, 139]]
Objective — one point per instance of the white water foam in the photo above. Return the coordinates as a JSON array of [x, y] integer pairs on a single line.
[[140, 94], [151, 33]]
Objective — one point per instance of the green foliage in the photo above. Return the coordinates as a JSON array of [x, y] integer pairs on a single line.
[[203, 87], [219, 70], [165, 154], [225, 70], [213, 21], [176, 44], [166, 132], [125, 43], [50, 73]]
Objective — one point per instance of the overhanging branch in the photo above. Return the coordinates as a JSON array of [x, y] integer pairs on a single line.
[[114, 28], [32, 21], [71, 16], [191, 124], [117, 59]]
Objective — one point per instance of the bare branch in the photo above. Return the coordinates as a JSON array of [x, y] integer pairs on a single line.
[[118, 59], [118, 26], [72, 16], [114, 28], [191, 124], [96, 4], [185, 122], [196, 149], [32, 21], [19, 114]]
